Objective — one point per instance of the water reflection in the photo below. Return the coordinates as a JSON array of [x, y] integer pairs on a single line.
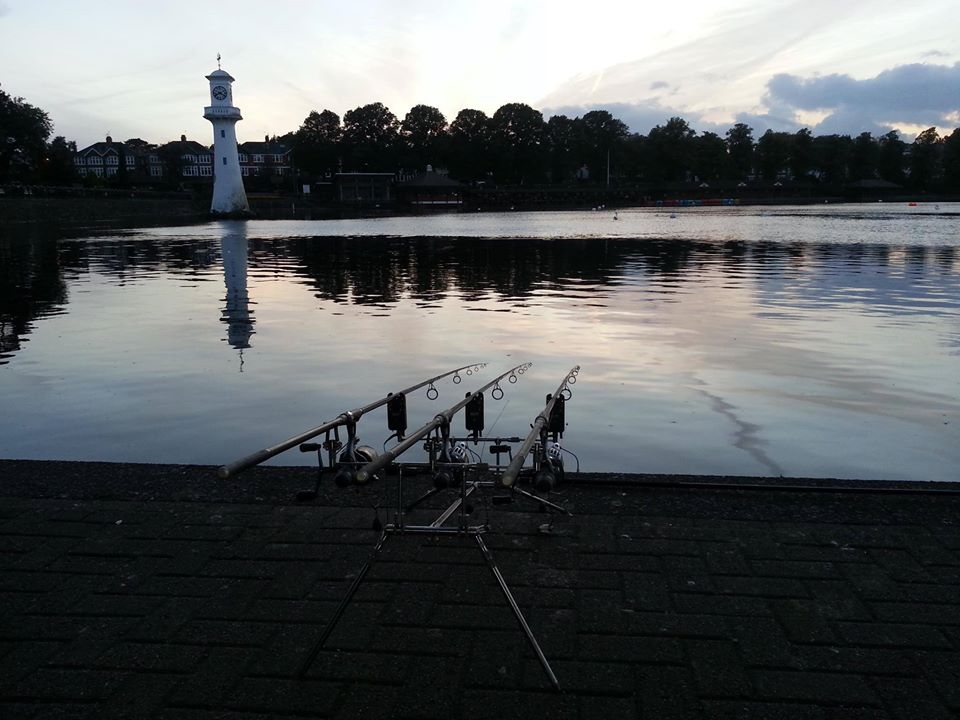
[[376, 274], [32, 285], [236, 311]]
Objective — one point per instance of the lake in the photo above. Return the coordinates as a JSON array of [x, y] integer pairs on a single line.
[[819, 341]]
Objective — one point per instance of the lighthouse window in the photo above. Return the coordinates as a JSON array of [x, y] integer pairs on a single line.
[[223, 133], [224, 160]]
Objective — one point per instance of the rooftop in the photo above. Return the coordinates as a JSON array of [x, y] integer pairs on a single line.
[[155, 591]]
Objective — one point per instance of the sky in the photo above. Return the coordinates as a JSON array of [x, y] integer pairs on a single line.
[[134, 68]]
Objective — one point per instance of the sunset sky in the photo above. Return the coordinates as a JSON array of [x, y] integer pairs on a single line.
[[136, 69]]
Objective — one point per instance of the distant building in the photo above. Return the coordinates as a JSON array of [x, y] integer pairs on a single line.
[[430, 189], [105, 159], [363, 188], [267, 158], [186, 158]]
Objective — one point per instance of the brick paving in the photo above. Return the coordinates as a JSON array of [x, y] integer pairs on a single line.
[[133, 591]]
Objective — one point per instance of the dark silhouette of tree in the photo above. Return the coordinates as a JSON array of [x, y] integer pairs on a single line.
[[600, 136], [773, 154], [370, 135], [518, 134], [671, 150], [864, 157], [58, 167], [709, 157], [424, 135], [633, 157], [563, 144], [24, 130], [891, 157], [831, 155], [951, 160], [470, 136], [740, 150], [801, 154], [316, 145], [925, 159]]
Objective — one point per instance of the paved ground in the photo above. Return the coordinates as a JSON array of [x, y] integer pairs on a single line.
[[160, 592]]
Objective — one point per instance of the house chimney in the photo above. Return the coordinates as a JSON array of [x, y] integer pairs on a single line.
[[183, 138], [266, 138], [109, 139]]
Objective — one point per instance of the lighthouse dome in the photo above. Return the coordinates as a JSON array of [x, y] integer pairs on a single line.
[[220, 75]]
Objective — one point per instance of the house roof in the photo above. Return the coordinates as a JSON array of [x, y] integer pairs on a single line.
[[264, 148], [103, 148]]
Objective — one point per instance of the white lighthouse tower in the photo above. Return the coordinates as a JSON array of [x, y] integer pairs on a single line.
[[229, 197]]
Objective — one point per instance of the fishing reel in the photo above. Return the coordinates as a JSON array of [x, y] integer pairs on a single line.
[[447, 475], [549, 472], [348, 461]]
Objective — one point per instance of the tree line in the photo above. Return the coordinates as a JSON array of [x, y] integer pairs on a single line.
[[517, 147]]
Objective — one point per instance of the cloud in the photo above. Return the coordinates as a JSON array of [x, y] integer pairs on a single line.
[[4, 9], [935, 54], [916, 94], [659, 84]]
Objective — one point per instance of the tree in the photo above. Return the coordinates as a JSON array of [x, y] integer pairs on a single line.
[[709, 157], [316, 145], [740, 150], [424, 135], [801, 154], [891, 157], [671, 150], [563, 144], [773, 154], [470, 138], [831, 154], [370, 135], [925, 159], [58, 167], [600, 135], [864, 157], [518, 134], [951, 160], [24, 130]]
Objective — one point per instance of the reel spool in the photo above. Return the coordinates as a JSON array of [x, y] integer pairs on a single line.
[[459, 455], [362, 454], [551, 471]]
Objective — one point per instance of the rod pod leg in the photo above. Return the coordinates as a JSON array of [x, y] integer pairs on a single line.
[[338, 613], [544, 663]]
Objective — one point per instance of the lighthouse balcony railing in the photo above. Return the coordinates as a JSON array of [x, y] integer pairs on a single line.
[[210, 112]]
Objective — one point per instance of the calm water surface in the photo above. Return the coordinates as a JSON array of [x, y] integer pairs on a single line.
[[820, 342]]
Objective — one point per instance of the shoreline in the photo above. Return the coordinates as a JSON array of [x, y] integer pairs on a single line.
[[279, 483]]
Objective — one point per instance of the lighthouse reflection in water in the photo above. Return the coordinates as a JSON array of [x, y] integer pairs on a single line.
[[236, 311]]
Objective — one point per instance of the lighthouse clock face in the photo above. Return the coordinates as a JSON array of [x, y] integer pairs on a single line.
[[220, 92]]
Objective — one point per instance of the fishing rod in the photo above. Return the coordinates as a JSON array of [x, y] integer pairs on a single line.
[[396, 421], [441, 421], [550, 420]]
